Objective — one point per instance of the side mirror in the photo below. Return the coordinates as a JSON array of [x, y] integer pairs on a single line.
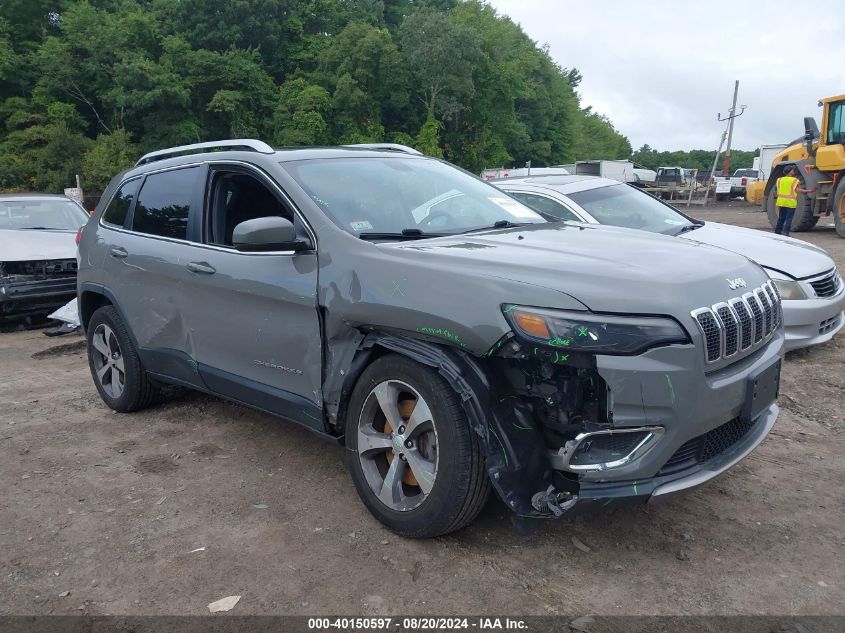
[[267, 234]]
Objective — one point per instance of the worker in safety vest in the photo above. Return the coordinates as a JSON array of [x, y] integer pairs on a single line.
[[787, 190]]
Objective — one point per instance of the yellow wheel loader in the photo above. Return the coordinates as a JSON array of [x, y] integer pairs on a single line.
[[820, 159]]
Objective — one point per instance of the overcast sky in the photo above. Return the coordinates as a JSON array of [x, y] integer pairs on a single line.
[[662, 69]]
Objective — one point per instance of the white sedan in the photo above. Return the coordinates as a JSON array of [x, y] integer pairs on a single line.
[[805, 275]]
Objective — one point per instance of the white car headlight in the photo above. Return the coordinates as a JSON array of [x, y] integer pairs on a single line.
[[789, 290]]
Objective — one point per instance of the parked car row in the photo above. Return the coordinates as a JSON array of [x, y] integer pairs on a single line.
[[453, 338]]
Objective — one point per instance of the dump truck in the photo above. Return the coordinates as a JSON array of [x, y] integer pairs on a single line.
[[820, 160]]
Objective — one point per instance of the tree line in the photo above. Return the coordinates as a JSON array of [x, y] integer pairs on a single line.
[[700, 159], [86, 86]]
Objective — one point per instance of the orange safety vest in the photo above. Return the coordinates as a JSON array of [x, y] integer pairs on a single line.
[[787, 194]]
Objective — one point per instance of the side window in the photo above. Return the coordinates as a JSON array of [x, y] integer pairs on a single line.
[[545, 205], [836, 124], [116, 212], [236, 197], [165, 202]]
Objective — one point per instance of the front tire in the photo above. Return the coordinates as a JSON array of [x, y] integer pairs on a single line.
[[415, 461], [115, 366], [804, 220], [839, 207]]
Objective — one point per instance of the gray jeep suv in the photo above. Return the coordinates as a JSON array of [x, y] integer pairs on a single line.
[[448, 336]]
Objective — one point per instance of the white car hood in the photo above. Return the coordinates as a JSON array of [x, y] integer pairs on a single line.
[[17, 245], [795, 258]]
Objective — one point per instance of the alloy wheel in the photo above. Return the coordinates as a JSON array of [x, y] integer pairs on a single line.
[[397, 445], [108, 361]]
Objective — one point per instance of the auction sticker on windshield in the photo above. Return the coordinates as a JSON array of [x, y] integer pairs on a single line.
[[516, 209]]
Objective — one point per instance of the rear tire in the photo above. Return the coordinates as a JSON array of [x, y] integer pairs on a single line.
[[804, 219], [115, 366], [839, 207], [431, 480]]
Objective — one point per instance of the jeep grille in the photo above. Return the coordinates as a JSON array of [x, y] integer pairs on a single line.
[[740, 323]]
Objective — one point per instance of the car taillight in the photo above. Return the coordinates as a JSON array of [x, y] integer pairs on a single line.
[[744, 181], [78, 236]]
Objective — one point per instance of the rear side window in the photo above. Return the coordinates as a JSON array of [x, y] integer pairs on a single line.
[[545, 205], [119, 206], [165, 203]]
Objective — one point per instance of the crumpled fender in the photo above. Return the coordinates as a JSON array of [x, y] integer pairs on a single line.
[[513, 446]]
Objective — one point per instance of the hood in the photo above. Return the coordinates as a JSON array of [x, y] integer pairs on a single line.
[[787, 255], [16, 246], [606, 268]]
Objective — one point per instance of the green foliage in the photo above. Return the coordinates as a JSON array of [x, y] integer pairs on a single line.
[[87, 85], [8, 58], [300, 114], [428, 141], [109, 154], [44, 146]]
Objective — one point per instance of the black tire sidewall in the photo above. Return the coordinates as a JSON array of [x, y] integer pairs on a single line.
[[771, 208], [838, 194], [132, 390], [454, 437], [803, 220]]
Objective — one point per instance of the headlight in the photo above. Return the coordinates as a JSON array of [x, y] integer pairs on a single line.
[[789, 290], [593, 333]]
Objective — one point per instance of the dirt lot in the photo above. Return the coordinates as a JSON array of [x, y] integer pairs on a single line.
[[113, 509]]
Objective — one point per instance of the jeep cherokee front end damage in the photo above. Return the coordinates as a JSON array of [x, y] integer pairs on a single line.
[[565, 428]]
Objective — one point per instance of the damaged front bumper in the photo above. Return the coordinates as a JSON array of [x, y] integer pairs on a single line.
[[600, 495], [20, 298], [644, 425]]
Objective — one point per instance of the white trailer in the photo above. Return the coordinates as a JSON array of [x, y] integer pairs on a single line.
[[518, 172], [621, 170], [767, 154]]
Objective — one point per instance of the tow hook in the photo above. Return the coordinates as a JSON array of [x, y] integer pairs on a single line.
[[551, 501]]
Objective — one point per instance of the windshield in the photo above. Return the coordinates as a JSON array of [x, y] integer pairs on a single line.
[[626, 206], [746, 173], [390, 195], [61, 215]]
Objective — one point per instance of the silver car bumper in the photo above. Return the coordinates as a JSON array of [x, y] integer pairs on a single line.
[[812, 321], [725, 461]]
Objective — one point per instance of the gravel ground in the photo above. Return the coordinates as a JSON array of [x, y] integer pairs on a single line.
[[165, 511]]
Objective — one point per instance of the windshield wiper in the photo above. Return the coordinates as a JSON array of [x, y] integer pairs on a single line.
[[405, 234], [689, 227], [498, 224]]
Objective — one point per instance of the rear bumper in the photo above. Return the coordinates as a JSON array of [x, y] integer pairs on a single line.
[[812, 321], [601, 495], [35, 297]]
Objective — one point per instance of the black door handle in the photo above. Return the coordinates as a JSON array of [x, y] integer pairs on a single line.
[[201, 267], [118, 251]]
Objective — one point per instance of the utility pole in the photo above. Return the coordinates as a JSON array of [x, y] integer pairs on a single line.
[[726, 163], [713, 168]]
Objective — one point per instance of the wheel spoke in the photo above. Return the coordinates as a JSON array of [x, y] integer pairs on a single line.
[[118, 362], [419, 420], [371, 441], [116, 387], [101, 373], [422, 468], [387, 396], [99, 344], [391, 489]]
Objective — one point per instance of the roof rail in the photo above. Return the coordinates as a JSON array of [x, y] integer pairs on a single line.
[[237, 143], [395, 147]]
